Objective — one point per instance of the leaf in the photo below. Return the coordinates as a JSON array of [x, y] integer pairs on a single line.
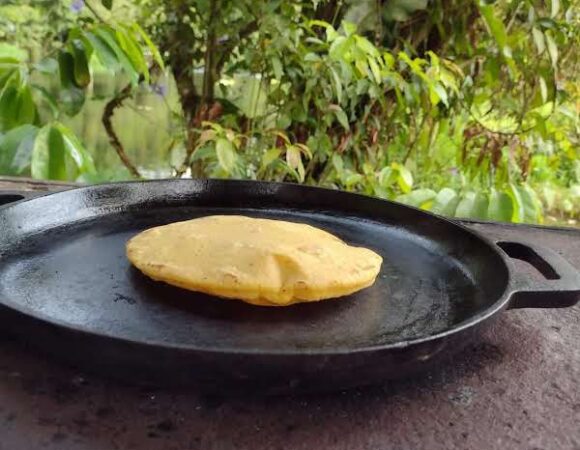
[[337, 85], [16, 150], [82, 76], [103, 51], [472, 206], [543, 89], [11, 52], [338, 163], [48, 155], [75, 149], [134, 52], [152, 47], [277, 66], [530, 206], [552, 51], [497, 30], [270, 156], [404, 177], [366, 46], [387, 177], [445, 203], [109, 37], [107, 4], [349, 28], [294, 161], [539, 40], [342, 119], [555, 8], [66, 69], [375, 70], [8, 104], [501, 207], [226, 154], [25, 111], [293, 157], [419, 198]]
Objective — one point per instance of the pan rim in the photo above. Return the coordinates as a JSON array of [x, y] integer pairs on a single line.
[[482, 316]]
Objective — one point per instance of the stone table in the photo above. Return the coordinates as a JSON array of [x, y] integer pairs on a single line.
[[517, 388]]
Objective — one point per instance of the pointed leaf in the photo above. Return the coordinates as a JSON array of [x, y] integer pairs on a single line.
[[552, 51], [16, 150], [501, 207], [342, 118], [48, 155], [226, 154], [270, 156], [152, 47], [75, 149], [445, 202], [539, 40]]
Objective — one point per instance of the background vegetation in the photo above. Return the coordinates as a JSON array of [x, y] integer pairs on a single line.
[[467, 108]]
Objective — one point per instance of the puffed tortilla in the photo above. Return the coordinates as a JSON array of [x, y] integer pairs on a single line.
[[259, 261]]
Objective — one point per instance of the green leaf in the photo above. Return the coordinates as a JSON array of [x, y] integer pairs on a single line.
[[152, 47], [375, 70], [349, 28], [270, 156], [226, 154], [107, 4], [501, 207], [337, 84], [445, 203], [66, 69], [16, 150], [420, 198], [294, 161], [552, 51], [338, 163], [8, 104], [277, 66], [365, 45], [530, 204], [555, 8], [13, 53], [25, 111], [48, 155], [75, 149], [342, 119], [109, 37], [81, 55], [472, 206], [404, 177], [497, 30], [539, 40], [543, 89], [103, 51], [134, 52]]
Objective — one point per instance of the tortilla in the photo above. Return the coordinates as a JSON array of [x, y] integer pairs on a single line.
[[259, 261]]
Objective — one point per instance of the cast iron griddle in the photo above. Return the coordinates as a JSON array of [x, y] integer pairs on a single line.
[[67, 287]]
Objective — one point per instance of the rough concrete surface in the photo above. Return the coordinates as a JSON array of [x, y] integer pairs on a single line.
[[517, 388]]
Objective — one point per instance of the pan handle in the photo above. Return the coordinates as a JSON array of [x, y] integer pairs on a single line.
[[559, 289]]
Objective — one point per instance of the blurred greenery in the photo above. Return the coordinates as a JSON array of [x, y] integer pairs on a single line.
[[467, 108]]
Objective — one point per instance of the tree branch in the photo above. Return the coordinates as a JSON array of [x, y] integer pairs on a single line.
[[108, 113]]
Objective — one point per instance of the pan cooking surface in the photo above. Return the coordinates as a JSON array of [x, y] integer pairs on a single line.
[[78, 275]]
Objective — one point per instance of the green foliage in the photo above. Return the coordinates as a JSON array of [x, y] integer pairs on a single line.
[[466, 108], [38, 144]]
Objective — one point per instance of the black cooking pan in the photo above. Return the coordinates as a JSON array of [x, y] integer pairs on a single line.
[[67, 288]]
